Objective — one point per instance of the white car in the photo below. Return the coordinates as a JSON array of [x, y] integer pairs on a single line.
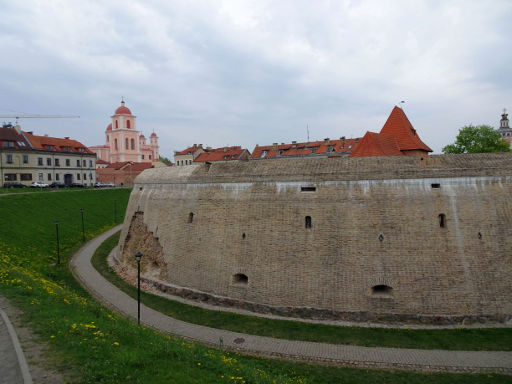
[[38, 184]]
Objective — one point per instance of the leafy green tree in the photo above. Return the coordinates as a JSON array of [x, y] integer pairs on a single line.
[[477, 139], [164, 160]]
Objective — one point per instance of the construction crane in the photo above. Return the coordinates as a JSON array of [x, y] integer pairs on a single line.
[[35, 116]]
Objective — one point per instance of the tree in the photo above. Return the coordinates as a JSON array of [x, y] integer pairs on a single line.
[[478, 139], [165, 160]]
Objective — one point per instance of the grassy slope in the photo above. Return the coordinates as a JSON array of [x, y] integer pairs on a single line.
[[101, 347], [499, 339]]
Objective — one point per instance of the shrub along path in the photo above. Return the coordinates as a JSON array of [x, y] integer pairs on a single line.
[[348, 355]]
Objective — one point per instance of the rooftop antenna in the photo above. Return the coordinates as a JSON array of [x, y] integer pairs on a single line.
[[307, 129]]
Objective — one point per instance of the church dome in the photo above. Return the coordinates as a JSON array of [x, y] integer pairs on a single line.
[[122, 110], [153, 134], [109, 127], [142, 136]]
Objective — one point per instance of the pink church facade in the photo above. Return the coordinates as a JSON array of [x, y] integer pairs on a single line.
[[124, 143]]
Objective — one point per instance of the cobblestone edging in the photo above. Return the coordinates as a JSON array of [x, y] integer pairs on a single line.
[[322, 314]]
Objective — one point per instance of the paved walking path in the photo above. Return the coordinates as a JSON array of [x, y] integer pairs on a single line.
[[13, 366], [346, 355]]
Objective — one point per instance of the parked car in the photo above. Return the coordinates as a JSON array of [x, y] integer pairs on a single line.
[[76, 185], [38, 184], [57, 185], [100, 184], [14, 184]]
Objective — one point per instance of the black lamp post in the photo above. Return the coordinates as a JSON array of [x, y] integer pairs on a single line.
[[58, 244], [115, 211], [83, 227], [138, 256]]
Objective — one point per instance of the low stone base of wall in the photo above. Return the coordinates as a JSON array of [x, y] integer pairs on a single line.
[[325, 314]]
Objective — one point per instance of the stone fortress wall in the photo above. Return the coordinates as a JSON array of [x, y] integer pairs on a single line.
[[392, 238]]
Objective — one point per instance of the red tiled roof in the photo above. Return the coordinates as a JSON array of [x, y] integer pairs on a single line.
[[221, 154], [58, 144], [122, 110], [109, 127], [399, 126], [99, 161], [188, 151], [304, 149], [9, 134], [127, 165], [375, 144]]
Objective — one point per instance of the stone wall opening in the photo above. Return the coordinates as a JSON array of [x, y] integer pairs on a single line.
[[442, 220], [190, 217], [308, 222], [240, 279], [382, 290]]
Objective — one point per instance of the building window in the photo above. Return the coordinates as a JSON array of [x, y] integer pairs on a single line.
[[85, 176], [90, 163], [78, 176], [39, 161], [49, 161], [108, 138], [57, 177], [117, 124], [190, 217], [126, 142], [115, 144], [127, 123], [49, 177], [308, 222], [81, 149], [40, 177], [25, 159], [142, 157], [84, 163], [240, 278], [9, 158], [78, 162], [68, 162], [132, 142], [57, 162], [149, 157], [10, 177], [442, 220], [26, 176]]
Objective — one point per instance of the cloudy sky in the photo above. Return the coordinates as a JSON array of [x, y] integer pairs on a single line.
[[255, 72]]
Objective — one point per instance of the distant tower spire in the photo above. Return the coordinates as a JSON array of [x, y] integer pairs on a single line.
[[504, 119]]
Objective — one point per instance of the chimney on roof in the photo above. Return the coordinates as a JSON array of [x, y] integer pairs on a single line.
[[342, 141], [294, 144], [225, 149], [45, 135], [66, 137], [200, 146], [274, 146], [194, 146], [208, 148], [326, 141], [30, 132]]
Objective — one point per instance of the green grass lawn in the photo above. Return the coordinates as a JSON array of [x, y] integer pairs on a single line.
[[98, 346], [499, 339]]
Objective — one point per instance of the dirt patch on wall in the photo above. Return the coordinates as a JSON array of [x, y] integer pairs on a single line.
[[140, 239]]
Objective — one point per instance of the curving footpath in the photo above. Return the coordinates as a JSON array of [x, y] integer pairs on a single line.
[[13, 366], [343, 355]]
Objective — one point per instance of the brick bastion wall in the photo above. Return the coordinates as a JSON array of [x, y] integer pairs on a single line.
[[390, 238]]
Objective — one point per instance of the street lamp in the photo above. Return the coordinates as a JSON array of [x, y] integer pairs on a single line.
[[83, 228], [58, 244], [138, 256]]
